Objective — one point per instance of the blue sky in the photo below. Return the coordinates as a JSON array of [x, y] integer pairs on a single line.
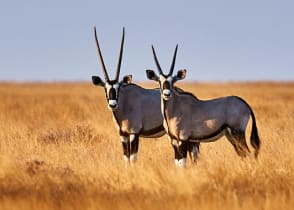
[[218, 40]]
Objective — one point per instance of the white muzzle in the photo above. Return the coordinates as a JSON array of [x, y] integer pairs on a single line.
[[166, 94], [112, 104]]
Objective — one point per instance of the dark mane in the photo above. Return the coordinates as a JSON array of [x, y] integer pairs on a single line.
[[182, 92], [133, 84]]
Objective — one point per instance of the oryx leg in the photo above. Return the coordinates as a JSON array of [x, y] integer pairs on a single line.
[[180, 149], [126, 147], [193, 150], [238, 140], [134, 146]]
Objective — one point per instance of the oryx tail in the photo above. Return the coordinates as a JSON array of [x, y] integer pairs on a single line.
[[254, 138]]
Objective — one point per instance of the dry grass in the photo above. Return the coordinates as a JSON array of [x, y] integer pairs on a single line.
[[60, 150]]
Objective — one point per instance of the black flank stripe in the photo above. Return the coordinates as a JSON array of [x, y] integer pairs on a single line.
[[152, 131], [199, 138]]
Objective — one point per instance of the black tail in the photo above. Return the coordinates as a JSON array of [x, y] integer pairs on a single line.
[[254, 138]]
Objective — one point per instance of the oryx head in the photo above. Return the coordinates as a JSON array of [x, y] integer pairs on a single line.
[[166, 81], [111, 87]]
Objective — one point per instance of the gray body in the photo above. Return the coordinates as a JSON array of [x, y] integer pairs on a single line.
[[139, 112], [189, 119]]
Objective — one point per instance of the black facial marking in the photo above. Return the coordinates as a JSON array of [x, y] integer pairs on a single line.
[[112, 82], [166, 85], [112, 94]]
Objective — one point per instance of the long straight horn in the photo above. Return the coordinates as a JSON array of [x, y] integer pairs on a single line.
[[100, 56], [120, 54], [173, 62], [156, 61]]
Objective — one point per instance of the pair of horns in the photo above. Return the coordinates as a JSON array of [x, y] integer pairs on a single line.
[[119, 58], [172, 65]]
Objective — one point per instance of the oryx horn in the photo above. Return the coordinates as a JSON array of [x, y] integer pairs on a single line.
[[120, 54], [173, 62], [156, 61], [100, 56]]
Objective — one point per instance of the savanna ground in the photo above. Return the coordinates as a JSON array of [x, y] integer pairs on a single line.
[[59, 149]]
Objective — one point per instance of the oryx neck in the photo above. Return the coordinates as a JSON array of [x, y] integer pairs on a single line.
[[167, 105], [181, 93], [114, 113]]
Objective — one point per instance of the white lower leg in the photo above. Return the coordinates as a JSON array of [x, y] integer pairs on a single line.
[[126, 159], [181, 163], [125, 140], [133, 158]]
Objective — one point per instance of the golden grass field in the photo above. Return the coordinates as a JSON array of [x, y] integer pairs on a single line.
[[59, 149]]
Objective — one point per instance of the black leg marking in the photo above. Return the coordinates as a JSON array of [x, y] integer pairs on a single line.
[[134, 144], [238, 140], [193, 150], [126, 149], [181, 150]]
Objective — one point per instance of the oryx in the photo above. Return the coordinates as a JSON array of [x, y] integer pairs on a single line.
[[136, 111], [187, 118]]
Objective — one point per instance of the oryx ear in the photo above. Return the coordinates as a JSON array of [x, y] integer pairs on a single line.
[[97, 81], [127, 79], [180, 75], [151, 75]]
